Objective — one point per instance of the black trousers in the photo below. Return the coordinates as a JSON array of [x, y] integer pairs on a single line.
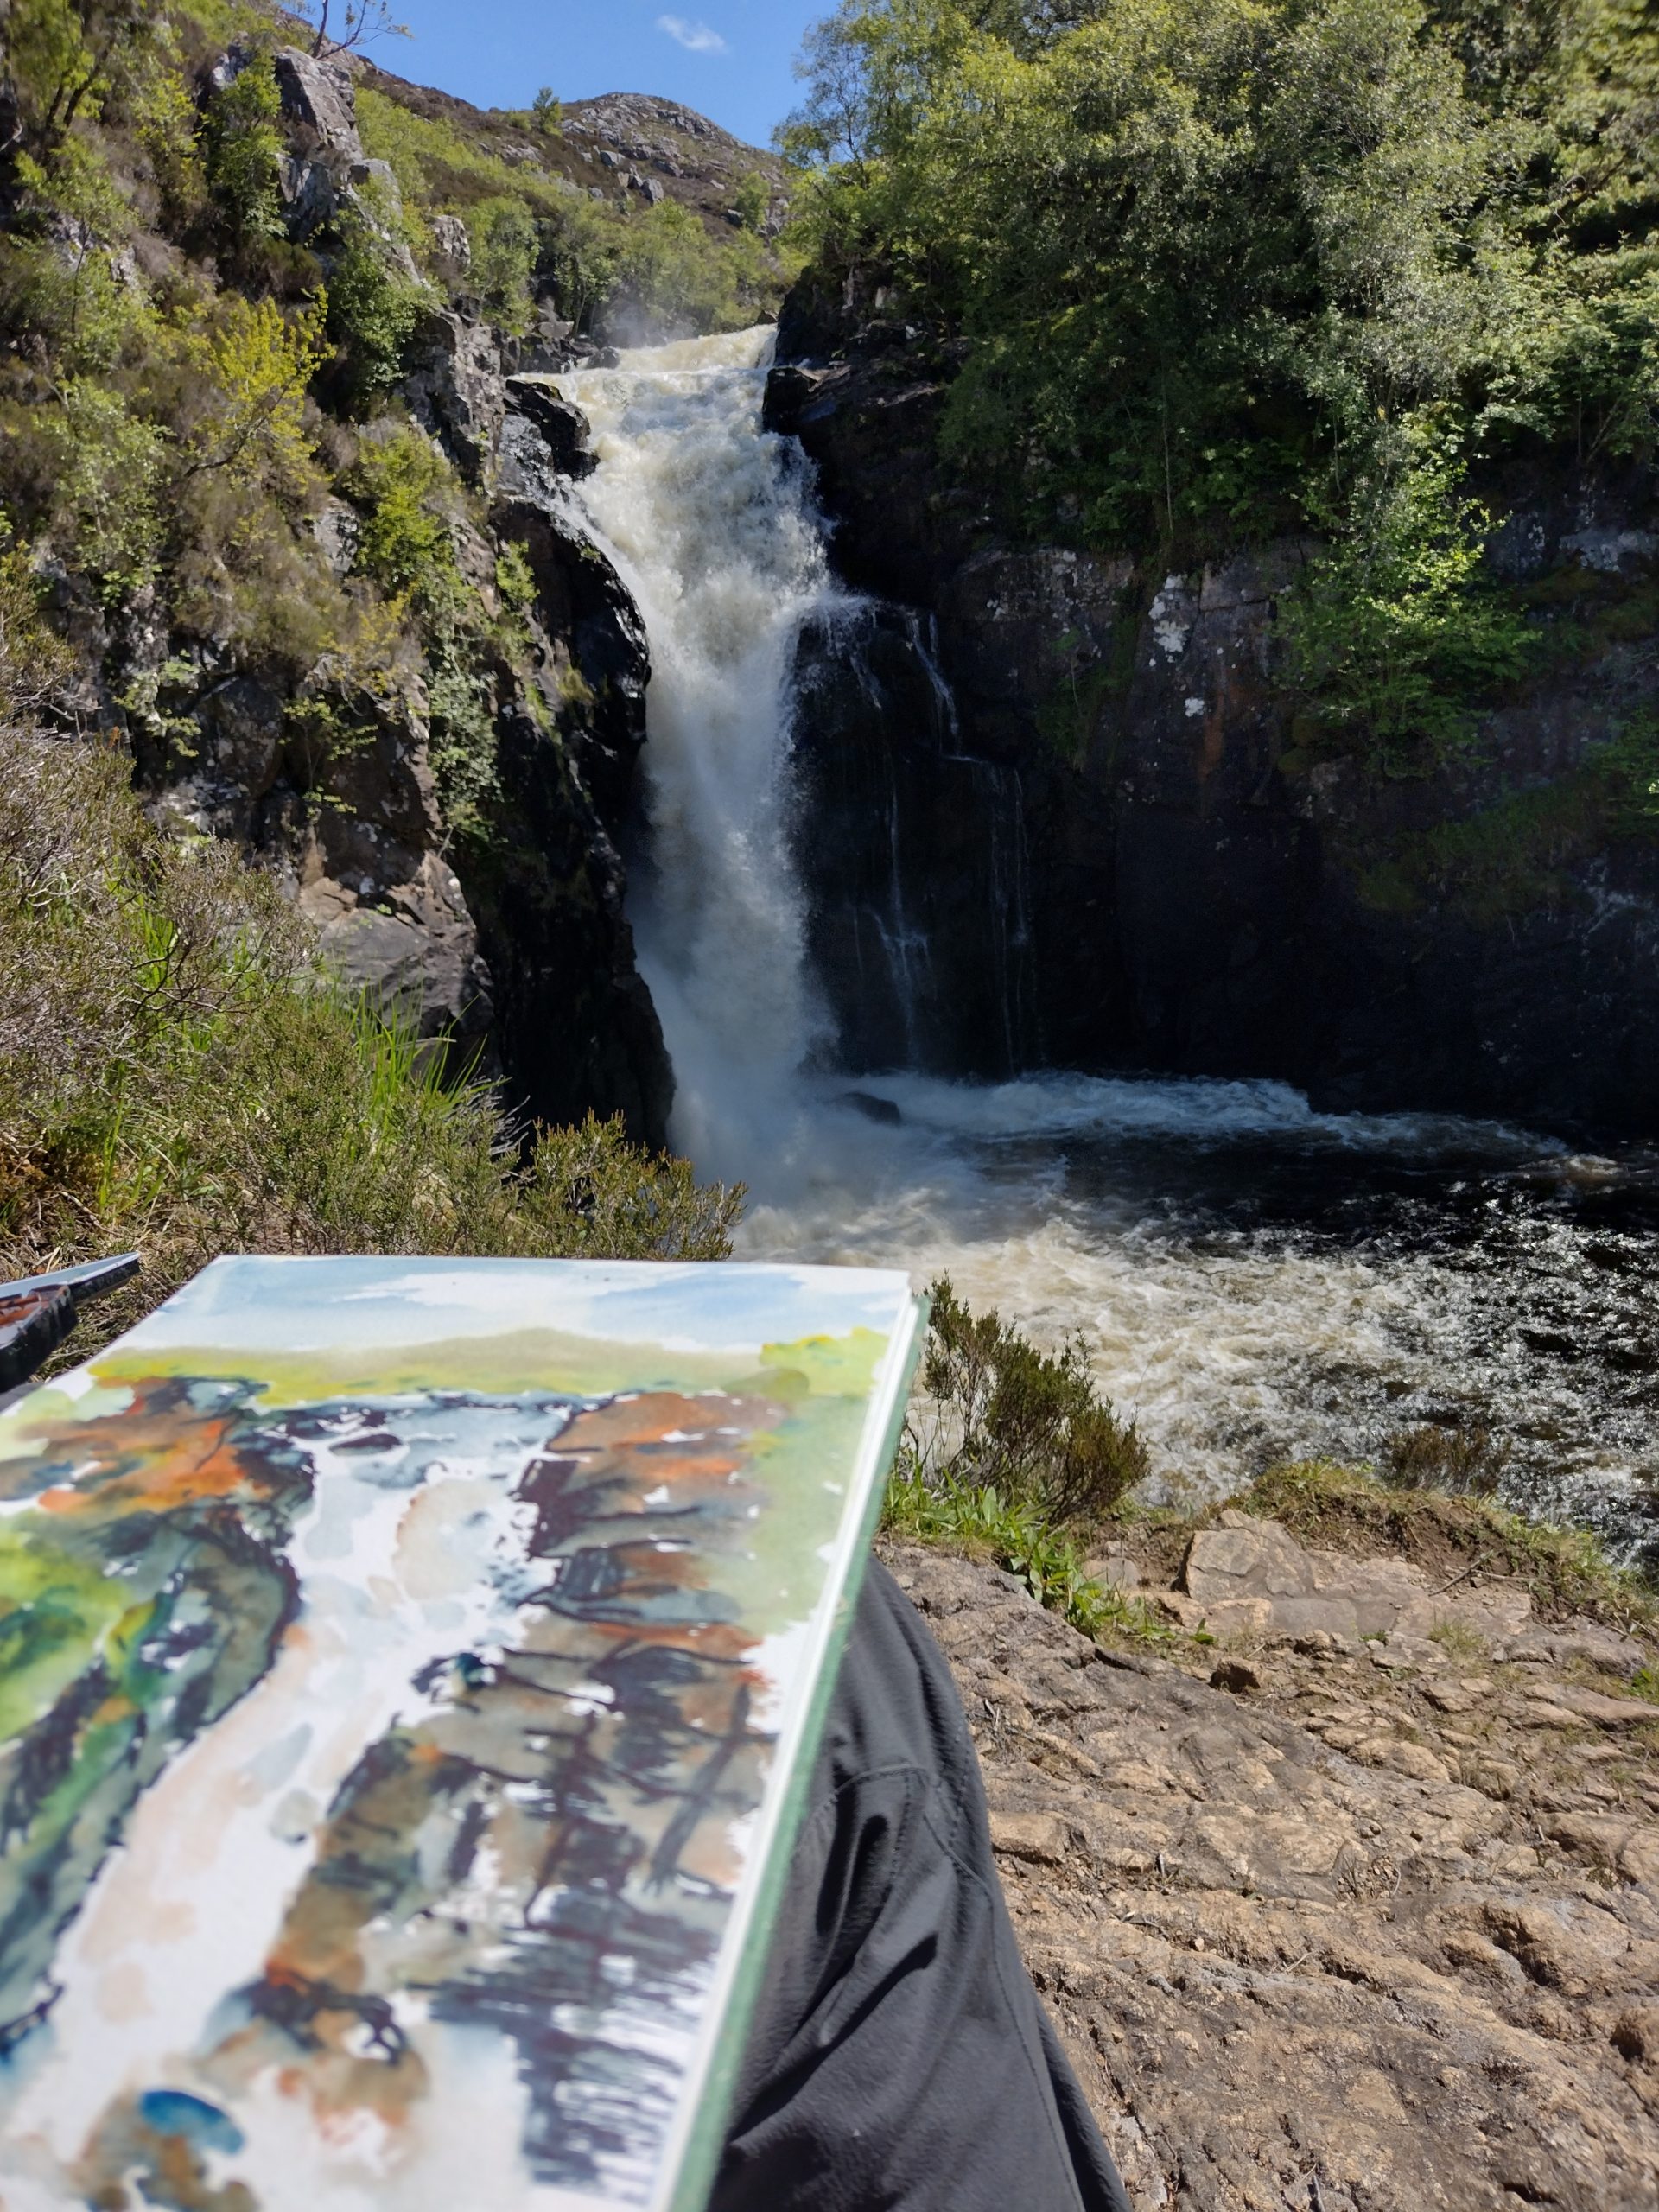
[[899, 2060]]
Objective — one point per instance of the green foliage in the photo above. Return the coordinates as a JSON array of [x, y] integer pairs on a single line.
[[174, 1076], [404, 542], [978, 1520], [242, 144], [63, 57], [33, 661], [1520, 853], [503, 241], [1228, 268], [1396, 631], [405, 492], [752, 201], [111, 470], [373, 311], [997, 1413], [246, 413], [547, 112]]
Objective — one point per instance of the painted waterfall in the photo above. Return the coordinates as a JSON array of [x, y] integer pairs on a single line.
[[402, 1667]]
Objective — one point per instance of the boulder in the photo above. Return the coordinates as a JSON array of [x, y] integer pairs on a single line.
[[454, 388], [1245, 1574], [560, 425], [414, 952], [320, 98], [454, 246]]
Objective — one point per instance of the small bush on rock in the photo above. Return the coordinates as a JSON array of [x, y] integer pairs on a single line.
[[997, 1412]]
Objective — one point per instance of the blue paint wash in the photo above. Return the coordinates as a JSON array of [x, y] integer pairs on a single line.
[[170, 2112]]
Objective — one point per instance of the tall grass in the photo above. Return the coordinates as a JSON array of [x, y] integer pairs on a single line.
[[176, 1076]]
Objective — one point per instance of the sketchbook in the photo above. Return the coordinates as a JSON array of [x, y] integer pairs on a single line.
[[409, 1670]]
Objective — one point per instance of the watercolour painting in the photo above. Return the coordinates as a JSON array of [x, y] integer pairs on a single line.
[[406, 1670]]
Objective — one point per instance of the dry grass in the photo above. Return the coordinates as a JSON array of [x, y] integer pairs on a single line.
[[175, 1076]]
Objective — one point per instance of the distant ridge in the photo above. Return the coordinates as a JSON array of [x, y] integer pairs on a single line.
[[631, 147]]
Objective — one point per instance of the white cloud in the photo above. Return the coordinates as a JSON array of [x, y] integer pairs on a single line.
[[697, 38]]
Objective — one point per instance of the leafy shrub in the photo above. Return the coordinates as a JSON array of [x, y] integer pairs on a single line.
[[979, 1522], [373, 311], [752, 201], [503, 235], [111, 472], [404, 542], [175, 1076], [999, 1416], [1397, 632], [242, 146], [33, 661]]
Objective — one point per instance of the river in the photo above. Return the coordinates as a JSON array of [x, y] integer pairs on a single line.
[[1253, 1279]]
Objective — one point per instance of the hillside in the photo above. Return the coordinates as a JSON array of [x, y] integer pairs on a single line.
[[281, 536], [628, 149]]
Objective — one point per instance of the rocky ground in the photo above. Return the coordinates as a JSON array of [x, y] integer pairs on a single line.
[[1353, 1907]]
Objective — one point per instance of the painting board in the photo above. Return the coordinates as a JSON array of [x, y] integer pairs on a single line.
[[409, 1670]]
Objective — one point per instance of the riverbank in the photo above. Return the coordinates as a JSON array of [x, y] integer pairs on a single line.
[[1333, 1919]]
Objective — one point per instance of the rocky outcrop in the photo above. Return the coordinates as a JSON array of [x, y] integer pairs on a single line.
[[504, 934], [1203, 893], [1322, 1935]]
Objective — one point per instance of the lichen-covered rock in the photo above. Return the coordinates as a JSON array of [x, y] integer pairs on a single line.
[[320, 101], [1243, 1574], [411, 949]]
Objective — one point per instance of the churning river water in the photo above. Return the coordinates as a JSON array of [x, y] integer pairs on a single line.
[[1253, 1279]]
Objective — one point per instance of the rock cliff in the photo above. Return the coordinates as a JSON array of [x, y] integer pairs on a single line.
[[1197, 888], [507, 935]]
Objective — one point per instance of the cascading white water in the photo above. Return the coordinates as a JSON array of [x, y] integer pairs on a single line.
[[711, 523], [1253, 1279]]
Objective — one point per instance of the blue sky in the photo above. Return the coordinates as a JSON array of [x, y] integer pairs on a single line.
[[729, 58]]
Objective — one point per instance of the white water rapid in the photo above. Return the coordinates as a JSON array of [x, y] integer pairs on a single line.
[[1253, 1279]]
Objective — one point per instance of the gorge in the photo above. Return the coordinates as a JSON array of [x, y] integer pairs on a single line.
[[1255, 1279], [700, 733]]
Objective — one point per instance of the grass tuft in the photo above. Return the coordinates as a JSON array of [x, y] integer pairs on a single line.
[[1343, 1509]]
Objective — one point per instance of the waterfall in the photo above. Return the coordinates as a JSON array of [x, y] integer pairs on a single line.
[[711, 523]]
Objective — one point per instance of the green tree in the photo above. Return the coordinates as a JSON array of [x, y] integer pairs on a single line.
[[752, 201], [373, 311], [243, 148], [504, 240]]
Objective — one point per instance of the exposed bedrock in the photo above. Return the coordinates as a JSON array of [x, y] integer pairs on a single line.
[[1202, 893], [494, 920]]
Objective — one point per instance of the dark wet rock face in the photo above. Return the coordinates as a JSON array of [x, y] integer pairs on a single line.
[[1199, 892], [912, 855]]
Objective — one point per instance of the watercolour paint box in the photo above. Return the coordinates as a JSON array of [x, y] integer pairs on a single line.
[[408, 1672]]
